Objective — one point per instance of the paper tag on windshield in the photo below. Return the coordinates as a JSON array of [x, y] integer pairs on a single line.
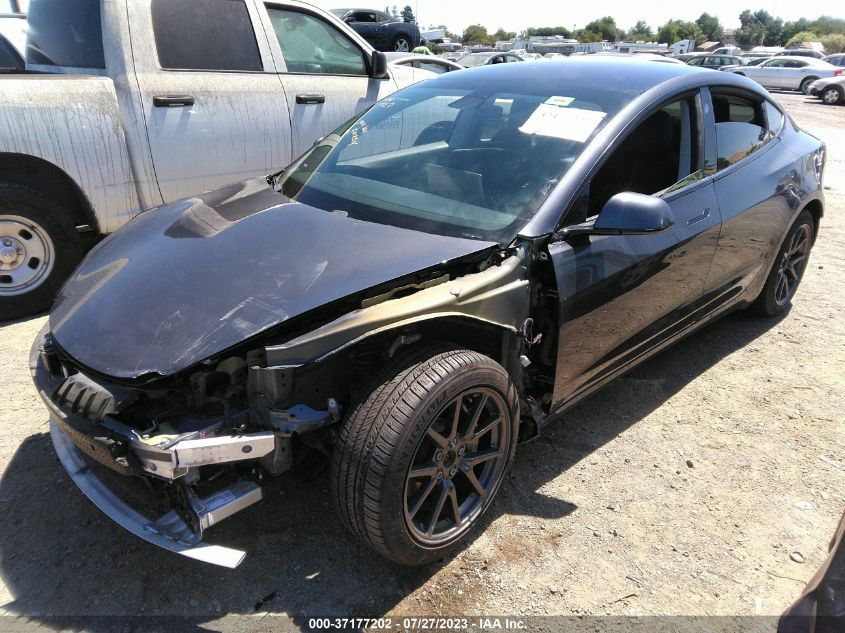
[[559, 101], [570, 124]]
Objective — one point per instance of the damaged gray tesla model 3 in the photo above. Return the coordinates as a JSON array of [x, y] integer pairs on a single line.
[[426, 287]]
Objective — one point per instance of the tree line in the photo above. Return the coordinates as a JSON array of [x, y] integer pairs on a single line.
[[757, 28]]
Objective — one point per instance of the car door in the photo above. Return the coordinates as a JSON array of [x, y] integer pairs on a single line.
[[214, 109], [767, 74], [756, 186], [622, 295], [324, 71], [795, 70]]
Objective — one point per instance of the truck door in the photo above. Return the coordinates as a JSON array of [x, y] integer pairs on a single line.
[[324, 70], [214, 108]]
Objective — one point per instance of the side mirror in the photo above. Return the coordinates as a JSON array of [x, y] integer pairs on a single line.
[[629, 212], [378, 65], [626, 213]]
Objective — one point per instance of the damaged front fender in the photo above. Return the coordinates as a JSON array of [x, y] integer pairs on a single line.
[[498, 295]]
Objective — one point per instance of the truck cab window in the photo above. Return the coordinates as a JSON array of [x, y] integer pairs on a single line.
[[64, 34], [205, 35], [311, 45]]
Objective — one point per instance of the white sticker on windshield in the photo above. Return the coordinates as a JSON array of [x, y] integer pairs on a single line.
[[559, 101], [570, 124]]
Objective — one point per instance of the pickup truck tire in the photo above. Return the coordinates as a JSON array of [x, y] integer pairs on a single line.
[[39, 248], [402, 44], [423, 452]]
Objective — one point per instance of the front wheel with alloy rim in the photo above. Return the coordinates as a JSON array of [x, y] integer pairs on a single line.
[[402, 44], [833, 95], [423, 452], [788, 268], [39, 247]]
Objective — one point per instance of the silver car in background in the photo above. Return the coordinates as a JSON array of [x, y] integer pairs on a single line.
[[788, 73]]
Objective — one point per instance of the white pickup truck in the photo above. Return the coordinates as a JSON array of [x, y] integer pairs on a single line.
[[128, 104]]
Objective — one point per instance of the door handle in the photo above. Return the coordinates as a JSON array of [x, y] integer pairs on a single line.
[[172, 101], [701, 216], [310, 98]]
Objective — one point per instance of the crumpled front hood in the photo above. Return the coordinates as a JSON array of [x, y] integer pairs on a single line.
[[193, 278]]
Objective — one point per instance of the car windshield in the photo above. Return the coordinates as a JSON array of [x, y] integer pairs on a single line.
[[453, 160], [471, 61]]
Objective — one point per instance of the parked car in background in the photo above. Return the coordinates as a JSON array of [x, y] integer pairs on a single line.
[[685, 57], [382, 31], [752, 61], [431, 283], [715, 61], [425, 63], [830, 90], [184, 101], [837, 59], [788, 73], [802, 52], [487, 58], [730, 51]]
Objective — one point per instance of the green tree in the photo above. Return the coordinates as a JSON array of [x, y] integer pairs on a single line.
[[547, 31], [677, 30], [711, 27], [803, 36], [833, 42], [606, 28], [759, 28], [476, 34], [502, 34], [586, 36], [408, 14], [640, 31]]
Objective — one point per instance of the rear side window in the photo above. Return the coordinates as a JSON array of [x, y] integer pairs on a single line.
[[64, 34], [311, 45], [741, 127], [205, 35]]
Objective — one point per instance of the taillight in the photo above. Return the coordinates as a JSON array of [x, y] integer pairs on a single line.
[[837, 72]]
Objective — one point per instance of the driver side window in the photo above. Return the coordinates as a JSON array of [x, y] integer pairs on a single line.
[[661, 154], [310, 45]]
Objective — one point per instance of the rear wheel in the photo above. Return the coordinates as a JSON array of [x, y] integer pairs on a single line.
[[423, 453], [833, 95], [806, 83], [788, 268], [39, 248]]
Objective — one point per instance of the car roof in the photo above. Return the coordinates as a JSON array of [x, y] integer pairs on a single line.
[[591, 71]]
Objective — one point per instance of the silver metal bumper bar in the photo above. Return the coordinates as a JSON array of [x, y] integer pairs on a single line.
[[169, 531]]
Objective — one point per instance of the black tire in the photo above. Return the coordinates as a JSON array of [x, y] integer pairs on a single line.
[[402, 43], [832, 95], [45, 220], [770, 302], [805, 85], [387, 427]]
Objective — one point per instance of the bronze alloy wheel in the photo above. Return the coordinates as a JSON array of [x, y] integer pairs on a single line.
[[458, 464]]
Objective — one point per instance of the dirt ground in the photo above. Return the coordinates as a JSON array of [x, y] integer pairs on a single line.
[[708, 481]]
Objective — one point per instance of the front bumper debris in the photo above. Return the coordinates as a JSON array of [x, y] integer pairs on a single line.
[[179, 531], [169, 531]]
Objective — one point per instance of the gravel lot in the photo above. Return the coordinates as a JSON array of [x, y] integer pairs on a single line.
[[708, 481]]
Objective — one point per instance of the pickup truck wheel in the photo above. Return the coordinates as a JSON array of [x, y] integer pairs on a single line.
[[39, 247], [402, 44], [423, 452], [788, 268]]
